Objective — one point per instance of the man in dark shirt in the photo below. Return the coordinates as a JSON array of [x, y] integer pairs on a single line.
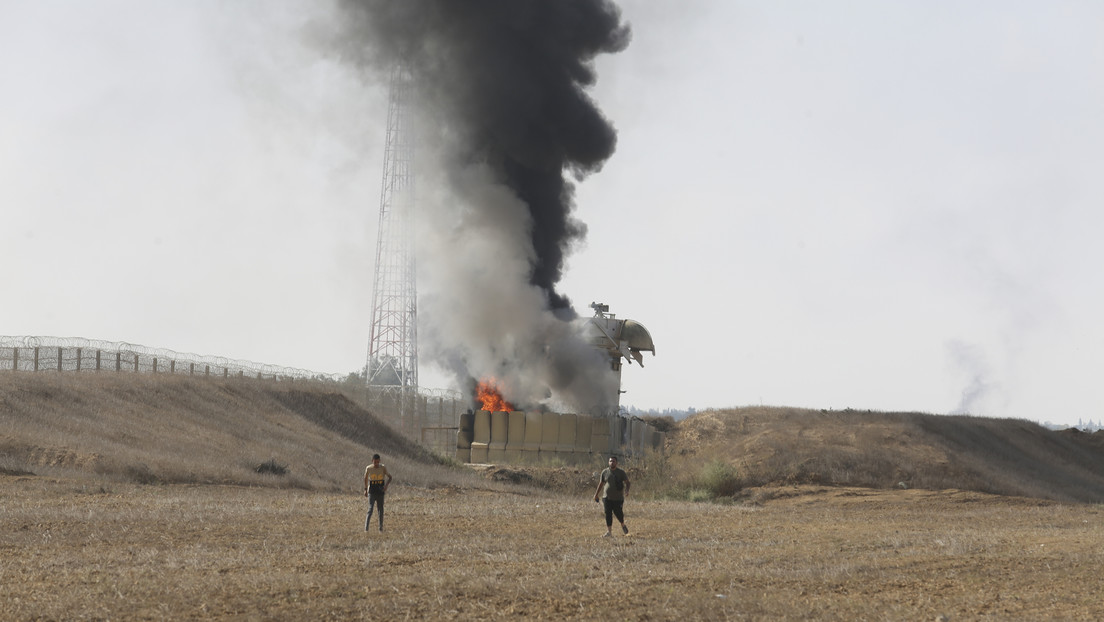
[[613, 486]]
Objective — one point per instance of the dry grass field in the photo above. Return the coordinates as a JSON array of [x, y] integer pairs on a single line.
[[73, 550], [139, 498]]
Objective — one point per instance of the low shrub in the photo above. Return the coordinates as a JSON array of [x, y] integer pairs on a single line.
[[699, 495], [719, 478], [446, 460], [662, 423], [271, 467], [140, 474]]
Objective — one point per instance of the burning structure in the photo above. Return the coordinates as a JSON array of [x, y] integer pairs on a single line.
[[505, 129], [500, 432], [615, 340], [518, 437]]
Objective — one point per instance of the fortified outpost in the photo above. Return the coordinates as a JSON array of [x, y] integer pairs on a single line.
[[517, 437]]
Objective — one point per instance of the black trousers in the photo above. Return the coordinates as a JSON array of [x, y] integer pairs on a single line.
[[614, 508], [374, 499]]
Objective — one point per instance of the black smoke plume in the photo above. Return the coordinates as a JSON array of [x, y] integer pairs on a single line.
[[509, 75], [501, 91]]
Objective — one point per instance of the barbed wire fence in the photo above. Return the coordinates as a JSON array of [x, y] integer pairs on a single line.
[[430, 417], [79, 354]]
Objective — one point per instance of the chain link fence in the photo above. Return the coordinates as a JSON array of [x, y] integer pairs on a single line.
[[429, 417], [88, 355], [426, 416]]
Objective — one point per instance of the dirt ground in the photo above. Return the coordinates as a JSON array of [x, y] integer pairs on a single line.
[[75, 549]]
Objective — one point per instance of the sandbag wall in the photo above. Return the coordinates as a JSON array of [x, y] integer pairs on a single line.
[[550, 438]]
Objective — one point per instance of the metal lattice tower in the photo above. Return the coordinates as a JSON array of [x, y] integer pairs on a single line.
[[392, 370]]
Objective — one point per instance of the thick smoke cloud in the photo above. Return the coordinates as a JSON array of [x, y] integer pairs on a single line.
[[505, 130]]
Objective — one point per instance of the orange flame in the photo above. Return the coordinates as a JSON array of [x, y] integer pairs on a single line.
[[487, 394]]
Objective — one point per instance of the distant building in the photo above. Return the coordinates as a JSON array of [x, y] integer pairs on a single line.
[[1084, 426]]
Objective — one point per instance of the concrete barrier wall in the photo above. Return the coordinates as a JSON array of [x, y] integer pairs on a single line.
[[600, 436], [530, 449], [550, 434], [496, 450], [624, 432], [636, 436], [464, 434], [481, 439], [614, 434], [566, 435], [515, 437], [584, 430], [550, 438]]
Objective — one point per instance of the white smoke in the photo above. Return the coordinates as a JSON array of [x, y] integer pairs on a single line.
[[480, 316]]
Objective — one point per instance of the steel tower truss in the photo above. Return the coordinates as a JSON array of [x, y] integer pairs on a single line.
[[393, 340]]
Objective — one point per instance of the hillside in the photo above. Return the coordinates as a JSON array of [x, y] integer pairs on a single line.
[[779, 446], [176, 429]]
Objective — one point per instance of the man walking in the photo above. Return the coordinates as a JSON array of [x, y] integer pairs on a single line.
[[376, 481], [613, 486]]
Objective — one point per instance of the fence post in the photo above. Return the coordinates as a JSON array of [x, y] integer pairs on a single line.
[[135, 362], [97, 360], [36, 359], [118, 361], [79, 355], [155, 364], [15, 358]]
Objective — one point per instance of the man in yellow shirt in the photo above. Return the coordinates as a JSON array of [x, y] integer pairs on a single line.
[[376, 481]]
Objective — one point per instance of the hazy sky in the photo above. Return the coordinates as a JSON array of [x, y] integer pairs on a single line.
[[871, 205]]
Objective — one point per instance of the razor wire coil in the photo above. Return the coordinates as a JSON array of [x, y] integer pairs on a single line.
[[432, 409], [76, 354]]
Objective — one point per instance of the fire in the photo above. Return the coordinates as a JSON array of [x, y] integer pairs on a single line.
[[487, 394]]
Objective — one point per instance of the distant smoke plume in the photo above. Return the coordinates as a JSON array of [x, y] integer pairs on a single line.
[[971, 361], [504, 120]]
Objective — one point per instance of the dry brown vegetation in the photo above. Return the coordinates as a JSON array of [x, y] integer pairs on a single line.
[[139, 497], [768, 446], [176, 429]]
